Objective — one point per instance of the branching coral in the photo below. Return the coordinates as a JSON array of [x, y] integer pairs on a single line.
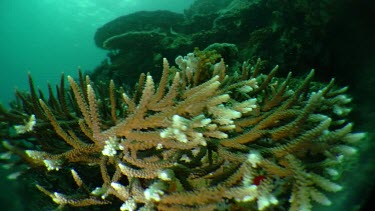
[[211, 142]]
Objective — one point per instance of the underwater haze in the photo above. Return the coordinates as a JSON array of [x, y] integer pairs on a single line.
[[226, 127], [48, 37]]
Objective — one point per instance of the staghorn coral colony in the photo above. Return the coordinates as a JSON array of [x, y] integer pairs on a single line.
[[200, 139]]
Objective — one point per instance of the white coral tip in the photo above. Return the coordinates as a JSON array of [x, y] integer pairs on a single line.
[[352, 138], [254, 158], [129, 205], [166, 175]]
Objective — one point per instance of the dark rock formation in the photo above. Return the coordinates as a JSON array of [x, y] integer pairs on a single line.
[[297, 35]]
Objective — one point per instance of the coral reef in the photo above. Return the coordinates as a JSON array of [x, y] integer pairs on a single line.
[[159, 22], [135, 41], [199, 139]]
